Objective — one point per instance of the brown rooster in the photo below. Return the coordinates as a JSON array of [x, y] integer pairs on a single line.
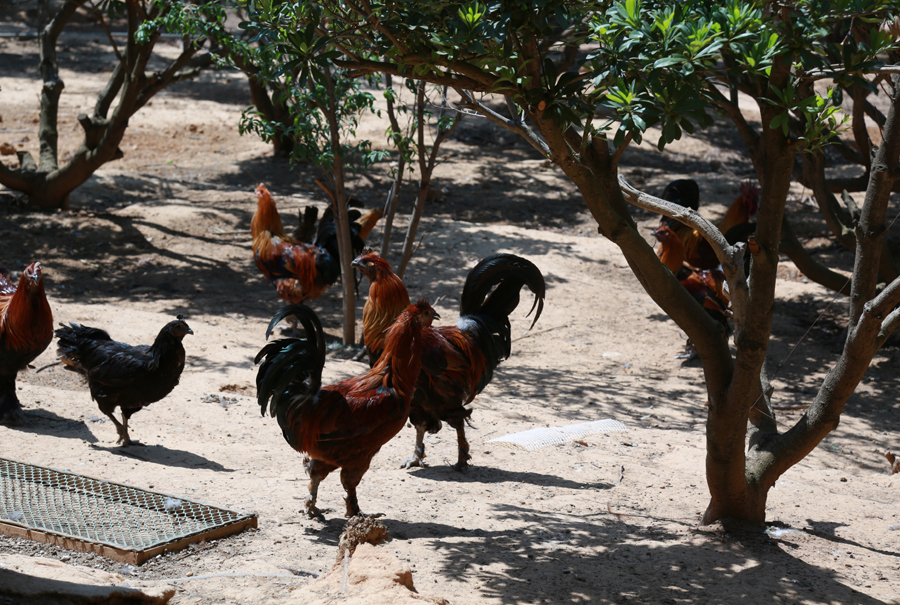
[[345, 424], [387, 299], [706, 286], [26, 328], [735, 225], [458, 361], [302, 271]]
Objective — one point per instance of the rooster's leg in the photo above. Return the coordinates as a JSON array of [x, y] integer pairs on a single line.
[[10, 408], [127, 440], [120, 429], [462, 463], [416, 458], [317, 471], [350, 478]]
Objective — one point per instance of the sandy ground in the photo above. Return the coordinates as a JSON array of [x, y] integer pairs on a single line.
[[611, 519]]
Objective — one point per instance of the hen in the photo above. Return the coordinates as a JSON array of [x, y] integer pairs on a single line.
[[121, 375], [26, 328], [302, 271], [459, 361], [345, 424]]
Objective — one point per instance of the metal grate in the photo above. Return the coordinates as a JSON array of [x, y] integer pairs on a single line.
[[118, 521]]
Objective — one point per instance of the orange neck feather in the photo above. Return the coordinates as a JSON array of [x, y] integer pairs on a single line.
[[266, 217], [671, 253], [25, 318], [387, 300]]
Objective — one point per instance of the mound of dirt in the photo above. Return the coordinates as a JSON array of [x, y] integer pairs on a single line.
[[373, 577], [42, 581]]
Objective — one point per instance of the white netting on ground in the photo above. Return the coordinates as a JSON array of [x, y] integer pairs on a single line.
[[533, 439]]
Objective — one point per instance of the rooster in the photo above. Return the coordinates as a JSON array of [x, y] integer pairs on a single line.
[[121, 375], [387, 299], [299, 270], [459, 361], [735, 225], [742, 209], [708, 287], [345, 424], [26, 329]]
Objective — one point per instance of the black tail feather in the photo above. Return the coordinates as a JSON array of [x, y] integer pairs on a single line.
[[493, 286], [291, 369]]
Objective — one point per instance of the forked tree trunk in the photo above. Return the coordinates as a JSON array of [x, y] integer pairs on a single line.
[[46, 183]]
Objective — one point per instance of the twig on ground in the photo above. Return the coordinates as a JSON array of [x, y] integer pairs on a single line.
[[610, 511], [526, 335], [45, 366]]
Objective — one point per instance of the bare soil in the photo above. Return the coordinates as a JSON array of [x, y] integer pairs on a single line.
[[610, 519]]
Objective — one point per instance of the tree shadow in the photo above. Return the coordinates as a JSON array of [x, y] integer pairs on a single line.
[[158, 454], [557, 558]]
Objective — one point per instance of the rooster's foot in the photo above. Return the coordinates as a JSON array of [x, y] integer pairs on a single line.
[[14, 418], [316, 513], [462, 466], [412, 461]]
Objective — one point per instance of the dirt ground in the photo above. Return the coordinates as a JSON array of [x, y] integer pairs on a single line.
[[610, 519]]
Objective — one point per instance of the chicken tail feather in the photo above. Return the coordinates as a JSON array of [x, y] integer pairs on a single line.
[[291, 369], [493, 285]]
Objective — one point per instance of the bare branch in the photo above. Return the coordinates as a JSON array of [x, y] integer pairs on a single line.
[[98, 14], [725, 252], [521, 129]]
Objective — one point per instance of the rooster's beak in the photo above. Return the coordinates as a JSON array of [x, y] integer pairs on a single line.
[[437, 315], [191, 332]]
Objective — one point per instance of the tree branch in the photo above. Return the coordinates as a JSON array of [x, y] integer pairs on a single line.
[[871, 227], [807, 265], [521, 129]]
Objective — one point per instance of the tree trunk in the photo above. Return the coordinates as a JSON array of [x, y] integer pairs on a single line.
[[342, 222]]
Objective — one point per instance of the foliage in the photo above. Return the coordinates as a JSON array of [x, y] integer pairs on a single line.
[[46, 181]]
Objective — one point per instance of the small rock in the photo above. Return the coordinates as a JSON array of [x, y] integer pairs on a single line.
[[7, 149]]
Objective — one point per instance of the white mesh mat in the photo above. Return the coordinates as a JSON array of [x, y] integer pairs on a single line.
[[533, 439]]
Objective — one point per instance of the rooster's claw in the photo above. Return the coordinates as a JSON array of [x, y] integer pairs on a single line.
[[462, 467], [318, 514], [411, 462]]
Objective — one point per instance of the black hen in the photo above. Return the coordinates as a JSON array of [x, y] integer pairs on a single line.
[[121, 375]]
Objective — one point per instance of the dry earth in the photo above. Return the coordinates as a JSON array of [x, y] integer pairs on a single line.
[[611, 519]]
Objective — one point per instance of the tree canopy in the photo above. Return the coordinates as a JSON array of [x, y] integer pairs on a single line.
[[581, 81]]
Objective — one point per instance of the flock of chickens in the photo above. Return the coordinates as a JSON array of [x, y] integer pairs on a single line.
[[418, 372]]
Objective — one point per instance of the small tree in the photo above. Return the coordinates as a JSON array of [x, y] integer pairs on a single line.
[[324, 106], [415, 147], [46, 182], [658, 65]]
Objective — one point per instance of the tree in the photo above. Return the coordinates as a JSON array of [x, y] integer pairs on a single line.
[[660, 64], [414, 147], [322, 115], [46, 182]]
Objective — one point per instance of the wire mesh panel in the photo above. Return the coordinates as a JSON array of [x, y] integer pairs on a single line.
[[122, 522]]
